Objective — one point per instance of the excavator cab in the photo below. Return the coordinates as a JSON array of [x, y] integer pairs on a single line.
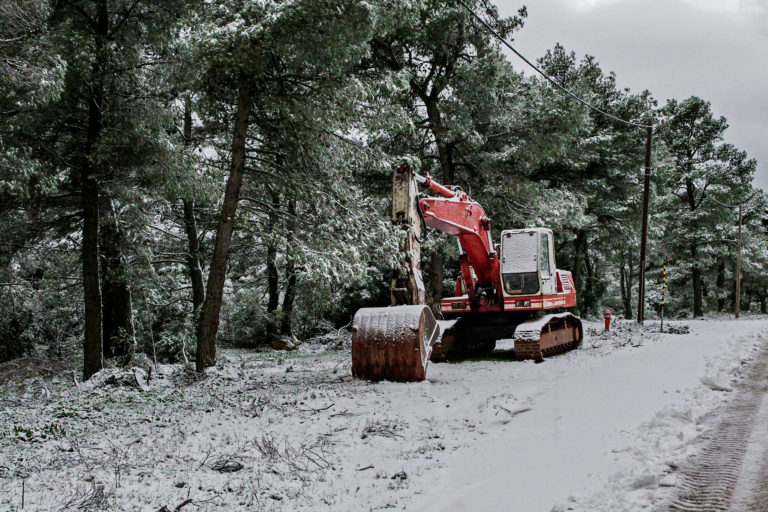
[[529, 277], [527, 262]]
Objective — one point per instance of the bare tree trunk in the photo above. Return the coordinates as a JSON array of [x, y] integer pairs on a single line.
[[626, 288], [92, 361], [273, 277], [89, 189], [444, 148], [630, 284], [579, 249], [208, 322], [698, 297], [193, 256], [116, 305], [190, 226], [286, 320], [435, 281], [445, 154], [590, 294], [628, 296], [720, 283], [623, 283]]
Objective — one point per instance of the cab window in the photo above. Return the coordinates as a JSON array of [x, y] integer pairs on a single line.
[[519, 263], [545, 270]]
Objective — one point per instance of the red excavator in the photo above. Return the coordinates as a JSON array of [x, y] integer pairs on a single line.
[[502, 292]]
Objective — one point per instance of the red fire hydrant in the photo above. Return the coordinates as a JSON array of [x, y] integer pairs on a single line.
[[607, 319]]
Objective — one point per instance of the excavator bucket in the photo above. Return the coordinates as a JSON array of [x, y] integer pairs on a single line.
[[393, 343], [547, 335]]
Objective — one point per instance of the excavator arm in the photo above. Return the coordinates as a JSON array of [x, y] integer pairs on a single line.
[[453, 212], [395, 343]]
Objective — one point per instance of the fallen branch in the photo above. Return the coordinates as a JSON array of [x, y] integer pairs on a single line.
[[314, 411], [379, 429], [510, 412], [227, 465], [178, 507]]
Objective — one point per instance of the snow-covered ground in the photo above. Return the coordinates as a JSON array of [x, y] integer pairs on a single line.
[[602, 428]]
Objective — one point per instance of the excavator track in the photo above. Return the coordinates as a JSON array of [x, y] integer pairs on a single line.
[[547, 335], [473, 335], [456, 342], [393, 343]]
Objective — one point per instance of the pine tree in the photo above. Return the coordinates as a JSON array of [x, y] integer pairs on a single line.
[[579, 172], [255, 53], [440, 51], [705, 174], [104, 133]]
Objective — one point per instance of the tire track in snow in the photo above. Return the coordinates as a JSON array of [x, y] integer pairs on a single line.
[[751, 492], [709, 478]]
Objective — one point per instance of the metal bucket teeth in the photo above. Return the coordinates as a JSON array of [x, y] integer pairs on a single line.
[[393, 343], [548, 335]]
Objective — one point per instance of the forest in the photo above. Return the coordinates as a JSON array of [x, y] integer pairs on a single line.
[[181, 175]]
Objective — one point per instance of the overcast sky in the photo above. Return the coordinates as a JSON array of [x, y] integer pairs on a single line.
[[714, 49]]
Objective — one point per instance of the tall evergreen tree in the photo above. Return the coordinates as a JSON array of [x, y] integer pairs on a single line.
[[252, 52], [104, 134], [580, 171], [705, 174], [436, 47]]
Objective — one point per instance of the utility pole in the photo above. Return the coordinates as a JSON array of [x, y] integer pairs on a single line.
[[663, 295], [644, 234], [737, 298]]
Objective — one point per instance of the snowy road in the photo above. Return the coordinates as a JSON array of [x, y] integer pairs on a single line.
[[729, 472], [751, 492], [604, 430]]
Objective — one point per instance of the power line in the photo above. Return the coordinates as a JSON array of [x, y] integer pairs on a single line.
[[723, 204], [549, 78], [748, 199]]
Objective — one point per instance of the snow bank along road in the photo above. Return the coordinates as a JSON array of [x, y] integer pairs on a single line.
[[613, 426], [731, 472]]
